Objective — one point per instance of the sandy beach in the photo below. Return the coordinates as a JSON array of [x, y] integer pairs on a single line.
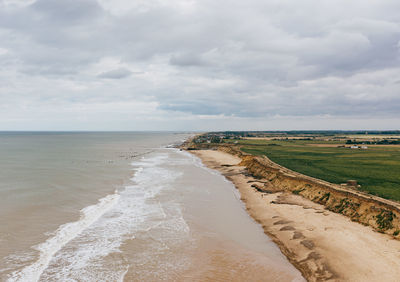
[[323, 245]]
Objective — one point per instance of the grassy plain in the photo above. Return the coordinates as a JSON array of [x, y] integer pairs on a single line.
[[376, 169]]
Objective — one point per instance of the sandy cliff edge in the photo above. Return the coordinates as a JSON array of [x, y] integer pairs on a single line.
[[323, 245]]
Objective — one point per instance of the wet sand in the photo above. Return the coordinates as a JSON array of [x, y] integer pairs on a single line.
[[321, 244], [216, 260], [217, 240]]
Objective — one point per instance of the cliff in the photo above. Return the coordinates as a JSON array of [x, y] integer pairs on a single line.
[[381, 214]]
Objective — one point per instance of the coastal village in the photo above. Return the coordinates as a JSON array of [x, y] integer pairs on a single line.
[[351, 140]]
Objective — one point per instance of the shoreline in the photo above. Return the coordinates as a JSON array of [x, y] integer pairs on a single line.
[[321, 244]]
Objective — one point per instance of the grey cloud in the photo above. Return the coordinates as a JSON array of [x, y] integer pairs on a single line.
[[116, 74], [255, 59], [186, 60], [70, 12]]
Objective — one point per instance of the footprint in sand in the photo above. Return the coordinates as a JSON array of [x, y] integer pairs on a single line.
[[298, 235], [282, 222], [287, 228], [308, 244]]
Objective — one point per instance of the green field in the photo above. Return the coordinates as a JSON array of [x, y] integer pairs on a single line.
[[376, 169]]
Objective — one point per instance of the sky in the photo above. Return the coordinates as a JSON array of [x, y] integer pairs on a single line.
[[199, 65]]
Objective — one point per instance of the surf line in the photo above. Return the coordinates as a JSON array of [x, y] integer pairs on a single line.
[[64, 234]]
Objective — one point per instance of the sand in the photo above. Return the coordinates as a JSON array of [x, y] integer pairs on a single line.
[[323, 245]]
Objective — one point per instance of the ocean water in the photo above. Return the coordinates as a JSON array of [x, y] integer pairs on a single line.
[[123, 207]]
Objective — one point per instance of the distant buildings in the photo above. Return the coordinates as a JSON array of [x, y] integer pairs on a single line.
[[358, 147]]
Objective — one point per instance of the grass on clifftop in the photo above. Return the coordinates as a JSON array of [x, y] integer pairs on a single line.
[[376, 169]]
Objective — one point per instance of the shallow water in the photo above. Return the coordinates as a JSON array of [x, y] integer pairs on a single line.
[[121, 206]]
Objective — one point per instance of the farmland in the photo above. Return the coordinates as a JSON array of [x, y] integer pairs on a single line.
[[376, 169]]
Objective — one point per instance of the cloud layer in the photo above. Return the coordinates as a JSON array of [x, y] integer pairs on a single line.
[[207, 65]]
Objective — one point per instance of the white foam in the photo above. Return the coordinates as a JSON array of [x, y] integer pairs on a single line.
[[78, 250], [82, 255], [64, 234], [122, 277]]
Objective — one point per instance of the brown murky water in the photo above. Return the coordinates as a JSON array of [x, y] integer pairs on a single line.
[[122, 207]]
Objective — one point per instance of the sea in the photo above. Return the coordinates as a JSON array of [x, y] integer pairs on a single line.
[[124, 206]]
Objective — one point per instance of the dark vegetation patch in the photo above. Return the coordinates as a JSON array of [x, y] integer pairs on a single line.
[[385, 219], [346, 206], [324, 198], [297, 192]]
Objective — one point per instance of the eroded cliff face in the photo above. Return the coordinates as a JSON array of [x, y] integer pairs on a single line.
[[383, 215]]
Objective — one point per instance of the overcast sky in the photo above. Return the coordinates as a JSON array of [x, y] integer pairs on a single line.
[[199, 64]]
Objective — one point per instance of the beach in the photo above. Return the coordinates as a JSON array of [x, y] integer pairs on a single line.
[[132, 207], [323, 245]]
